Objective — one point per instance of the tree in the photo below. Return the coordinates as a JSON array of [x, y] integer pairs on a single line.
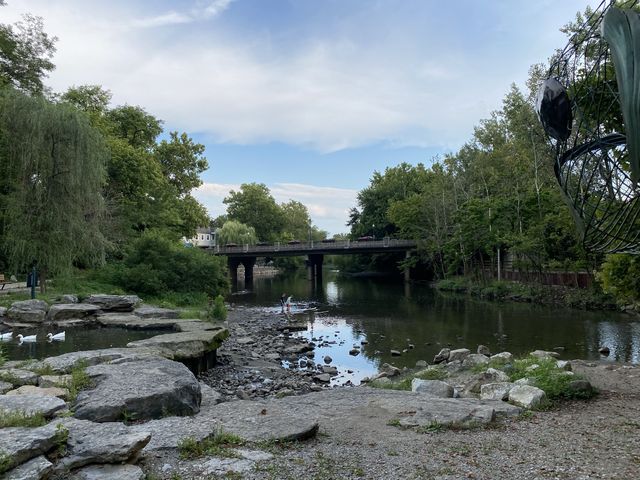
[[25, 54], [52, 166], [181, 161], [235, 232], [254, 206], [136, 126]]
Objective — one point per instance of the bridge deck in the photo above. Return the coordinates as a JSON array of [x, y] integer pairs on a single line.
[[346, 247]]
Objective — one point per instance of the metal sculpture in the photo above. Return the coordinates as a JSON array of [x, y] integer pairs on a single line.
[[590, 109]]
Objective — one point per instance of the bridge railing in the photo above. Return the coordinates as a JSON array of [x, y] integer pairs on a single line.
[[324, 246]]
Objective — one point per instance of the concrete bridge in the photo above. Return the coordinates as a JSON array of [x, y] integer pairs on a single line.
[[314, 251]]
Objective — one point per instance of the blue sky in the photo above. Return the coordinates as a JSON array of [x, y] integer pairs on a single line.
[[307, 96]]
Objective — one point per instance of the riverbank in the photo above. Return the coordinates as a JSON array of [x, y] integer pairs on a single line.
[[359, 436], [552, 295]]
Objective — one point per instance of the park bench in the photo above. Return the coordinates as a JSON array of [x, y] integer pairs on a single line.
[[3, 282]]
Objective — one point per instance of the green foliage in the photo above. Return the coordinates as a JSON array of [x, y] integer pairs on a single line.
[[219, 444], [620, 275], [235, 232], [6, 461], [80, 380], [155, 266], [52, 168], [218, 311], [3, 357], [25, 54], [254, 206], [431, 373], [546, 376], [21, 419]]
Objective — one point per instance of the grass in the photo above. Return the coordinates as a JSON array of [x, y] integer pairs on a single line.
[[548, 377], [433, 427], [220, 444], [404, 383], [10, 378], [21, 419], [80, 380], [6, 462]]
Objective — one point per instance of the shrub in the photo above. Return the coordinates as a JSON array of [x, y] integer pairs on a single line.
[[218, 310], [620, 276]]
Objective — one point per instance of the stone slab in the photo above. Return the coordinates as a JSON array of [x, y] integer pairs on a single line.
[[135, 322], [147, 311], [58, 392], [28, 311], [185, 345], [113, 303], [140, 390], [109, 472], [18, 376], [90, 442], [37, 468], [67, 311], [22, 444], [64, 363], [32, 404]]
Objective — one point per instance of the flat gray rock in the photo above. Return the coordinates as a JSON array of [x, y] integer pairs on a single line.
[[35, 469], [195, 325], [185, 345], [65, 362], [156, 312], [109, 472], [114, 303], [91, 442], [140, 390], [22, 444], [5, 387], [31, 404], [134, 322], [433, 388], [67, 311], [28, 311], [18, 376]]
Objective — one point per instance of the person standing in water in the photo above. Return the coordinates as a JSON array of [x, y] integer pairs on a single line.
[[283, 300]]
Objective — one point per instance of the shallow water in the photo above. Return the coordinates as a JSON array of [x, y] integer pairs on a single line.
[[76, 339], [391, 316]]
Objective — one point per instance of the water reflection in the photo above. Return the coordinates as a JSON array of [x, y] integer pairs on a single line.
[[389, 316], [76, 339]]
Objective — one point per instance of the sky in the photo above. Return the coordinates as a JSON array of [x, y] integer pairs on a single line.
[[309, 97]]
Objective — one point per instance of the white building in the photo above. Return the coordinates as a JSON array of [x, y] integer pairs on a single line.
[[204, 238]]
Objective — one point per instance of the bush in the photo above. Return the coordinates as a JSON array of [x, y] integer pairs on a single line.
[[217, 311], [156, 266], [620, 276]]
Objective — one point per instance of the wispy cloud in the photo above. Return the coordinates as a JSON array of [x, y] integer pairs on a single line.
[[328, 206], [204, 11]]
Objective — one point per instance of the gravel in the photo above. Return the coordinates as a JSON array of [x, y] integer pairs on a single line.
[[599, 438]]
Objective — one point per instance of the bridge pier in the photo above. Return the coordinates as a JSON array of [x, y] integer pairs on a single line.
[[234, 263], [314, 266], [407, 270]]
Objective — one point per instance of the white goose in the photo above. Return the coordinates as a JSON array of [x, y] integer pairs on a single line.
[[28, 338], [6, 336], [58, 336]]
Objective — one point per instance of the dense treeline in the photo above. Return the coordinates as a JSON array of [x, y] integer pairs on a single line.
[[83, 182]]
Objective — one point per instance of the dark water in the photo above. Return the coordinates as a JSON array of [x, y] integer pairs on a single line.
[[76, 339], [393, 316]]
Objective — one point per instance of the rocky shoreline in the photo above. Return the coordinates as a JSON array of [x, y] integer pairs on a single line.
[[139, 414]]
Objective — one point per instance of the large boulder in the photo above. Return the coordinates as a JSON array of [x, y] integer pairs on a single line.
[[433, 388], [442, 356], [506, 357], [31, 404], [526, 396], [114, 303], [90, 442], [474, 360], [21, 444], [66, 311], [28, 311], [139, 390], [458, 355], [496, 391], [67, 361], [491, 375]]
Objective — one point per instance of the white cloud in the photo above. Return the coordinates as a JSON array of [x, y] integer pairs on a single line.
[[328, 206], [202, 12]]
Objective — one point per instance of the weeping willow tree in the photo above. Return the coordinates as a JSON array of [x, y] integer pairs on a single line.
[[52, 171]]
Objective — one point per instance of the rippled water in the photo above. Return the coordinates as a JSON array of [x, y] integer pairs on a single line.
[[393, 316], [76, 339]]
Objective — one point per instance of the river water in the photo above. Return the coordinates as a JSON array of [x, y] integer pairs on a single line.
[[418, 321]]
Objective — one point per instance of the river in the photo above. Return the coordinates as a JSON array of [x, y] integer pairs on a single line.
[[418, 321]]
